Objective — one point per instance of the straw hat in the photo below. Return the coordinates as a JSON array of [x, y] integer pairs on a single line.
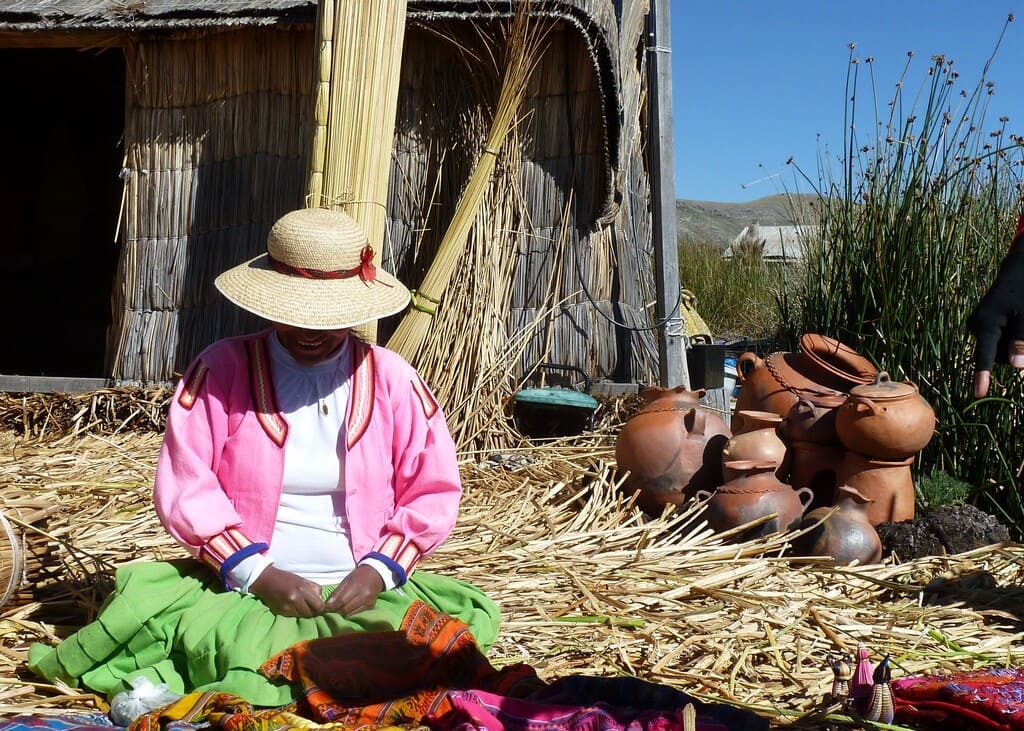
[[318, 273]]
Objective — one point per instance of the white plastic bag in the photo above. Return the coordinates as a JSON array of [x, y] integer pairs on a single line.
[[144, 697]]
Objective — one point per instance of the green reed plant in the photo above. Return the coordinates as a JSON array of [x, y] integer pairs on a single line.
[[738, 296], [916, 214]]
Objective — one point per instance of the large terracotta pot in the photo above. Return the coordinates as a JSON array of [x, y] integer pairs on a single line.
[[813, 465], [754, 493], [843, 532], [758, 442], [888, 483], [671, 448], [836, 365], [824, 369], [886, 419]]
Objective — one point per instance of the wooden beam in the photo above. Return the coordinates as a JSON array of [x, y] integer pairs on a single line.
[[672, 338]]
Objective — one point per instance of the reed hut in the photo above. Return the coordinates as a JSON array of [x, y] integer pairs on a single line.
[[151, 144]]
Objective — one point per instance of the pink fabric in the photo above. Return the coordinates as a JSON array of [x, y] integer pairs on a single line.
[[479, 709], [218, 469]]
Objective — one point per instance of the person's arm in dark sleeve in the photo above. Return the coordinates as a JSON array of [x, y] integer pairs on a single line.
[[998, 321]]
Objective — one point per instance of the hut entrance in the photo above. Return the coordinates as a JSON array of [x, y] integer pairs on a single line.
[[59, 198]]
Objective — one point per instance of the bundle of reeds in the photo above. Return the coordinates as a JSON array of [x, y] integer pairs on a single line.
[[358, 68], [521, 47]]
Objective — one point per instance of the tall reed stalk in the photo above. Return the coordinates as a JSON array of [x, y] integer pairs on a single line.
[[915, 218]]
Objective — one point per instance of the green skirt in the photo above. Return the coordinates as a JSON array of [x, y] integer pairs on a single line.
[[172, 623]]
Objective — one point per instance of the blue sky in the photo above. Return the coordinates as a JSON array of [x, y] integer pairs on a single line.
[[758, 81]]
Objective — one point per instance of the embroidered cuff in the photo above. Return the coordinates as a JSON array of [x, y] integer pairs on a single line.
[[224, 551], [399, 554], [398, 573], [243, 574], [386, 573]]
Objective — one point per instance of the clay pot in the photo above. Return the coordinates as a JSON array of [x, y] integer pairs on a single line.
[[835, 365], [845, 535], [825, 368], [813, 465], [754, 493], [888, 483], [813, 418], [758, 442], [886, 419], [671, 448]]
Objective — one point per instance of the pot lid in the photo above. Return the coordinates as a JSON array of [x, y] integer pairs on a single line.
[[566, 397], [884, 388]]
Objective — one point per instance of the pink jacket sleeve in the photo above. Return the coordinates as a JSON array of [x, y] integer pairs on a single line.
[[187, 493]]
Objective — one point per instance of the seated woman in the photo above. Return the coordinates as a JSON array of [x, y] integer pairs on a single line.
[[306, 470]]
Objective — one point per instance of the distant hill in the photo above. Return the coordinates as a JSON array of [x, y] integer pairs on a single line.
[[722, 222]]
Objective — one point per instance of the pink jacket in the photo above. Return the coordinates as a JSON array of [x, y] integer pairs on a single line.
[[218, 478]]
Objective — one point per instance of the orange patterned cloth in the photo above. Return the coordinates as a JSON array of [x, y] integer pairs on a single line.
[[394, 678]]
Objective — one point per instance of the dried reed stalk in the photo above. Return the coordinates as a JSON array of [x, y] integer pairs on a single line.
[[522, 47]]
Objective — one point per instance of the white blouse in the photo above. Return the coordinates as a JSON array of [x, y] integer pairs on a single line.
[[311, 533]]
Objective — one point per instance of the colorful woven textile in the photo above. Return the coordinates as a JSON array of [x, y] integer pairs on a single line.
[[65, 722], [222, 711], [982, 699], [394, 678]]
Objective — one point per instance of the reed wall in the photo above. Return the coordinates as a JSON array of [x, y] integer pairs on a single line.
[[217, 144]]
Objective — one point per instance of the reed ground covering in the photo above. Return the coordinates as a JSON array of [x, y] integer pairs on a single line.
[[587, 584]]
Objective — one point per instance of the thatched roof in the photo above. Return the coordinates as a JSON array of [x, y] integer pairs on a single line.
[[596, 20]]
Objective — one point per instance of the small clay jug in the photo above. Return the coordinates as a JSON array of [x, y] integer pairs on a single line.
[[842, 532], [889, 484], [671, 448], [754, 493], [886, 419], [759, 441]]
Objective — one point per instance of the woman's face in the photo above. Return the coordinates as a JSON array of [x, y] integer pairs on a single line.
[[310, 347]]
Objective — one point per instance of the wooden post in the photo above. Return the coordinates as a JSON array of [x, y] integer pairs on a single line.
[[672, 338]]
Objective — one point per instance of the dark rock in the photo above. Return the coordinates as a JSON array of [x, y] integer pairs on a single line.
[[946, 529]]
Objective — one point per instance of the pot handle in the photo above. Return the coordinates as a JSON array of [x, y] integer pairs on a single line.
[[803, 406], [752, 359], [859, 401], [805, 491], [700, 422]]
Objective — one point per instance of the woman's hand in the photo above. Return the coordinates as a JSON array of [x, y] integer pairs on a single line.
[[288, 595], [357, 592]]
